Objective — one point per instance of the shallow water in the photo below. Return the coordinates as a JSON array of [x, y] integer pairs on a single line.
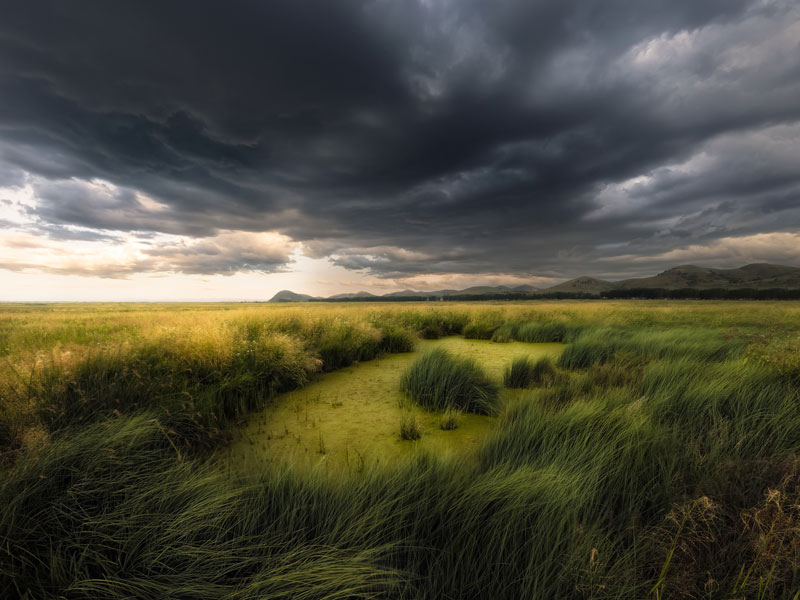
[[351, 418]]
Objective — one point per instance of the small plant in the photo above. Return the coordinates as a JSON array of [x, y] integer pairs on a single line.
[[439, 380], [410, 427], [524, 373], [449, 420]]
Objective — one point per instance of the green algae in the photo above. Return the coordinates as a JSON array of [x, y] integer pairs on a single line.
[[350, 419]]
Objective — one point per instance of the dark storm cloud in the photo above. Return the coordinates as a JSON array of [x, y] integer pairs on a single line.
[[409, 137]]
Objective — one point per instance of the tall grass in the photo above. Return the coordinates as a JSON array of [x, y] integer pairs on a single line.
[[110, 513], [196, 388], [484, 326], [600, 345], [536, 332], [439, 381], [662, 462], [118, 517], [202, 381], [524, 372]]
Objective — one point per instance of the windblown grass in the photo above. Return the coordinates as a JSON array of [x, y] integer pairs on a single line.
[[483, 328], [110, 513], [523, 372], [536, 332], [196, 388], [662, 462], [441, 381]]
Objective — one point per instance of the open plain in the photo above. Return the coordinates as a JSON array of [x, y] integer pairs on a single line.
[[635, 450]]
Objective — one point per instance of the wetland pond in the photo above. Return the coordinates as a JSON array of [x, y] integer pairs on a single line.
[[349, 419]]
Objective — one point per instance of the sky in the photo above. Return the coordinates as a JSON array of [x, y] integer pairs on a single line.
[[227, 150]]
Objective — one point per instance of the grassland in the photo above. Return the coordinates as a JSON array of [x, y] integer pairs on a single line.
[[657, 459]]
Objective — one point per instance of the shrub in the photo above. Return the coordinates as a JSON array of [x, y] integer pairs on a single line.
[[440, 381]]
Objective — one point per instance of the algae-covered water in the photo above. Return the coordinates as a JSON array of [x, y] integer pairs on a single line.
[[351, 418]]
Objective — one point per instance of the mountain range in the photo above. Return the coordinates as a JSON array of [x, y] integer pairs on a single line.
[[758, 276]]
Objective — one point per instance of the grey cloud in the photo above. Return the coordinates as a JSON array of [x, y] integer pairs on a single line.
[[469, 136], [225, 254]]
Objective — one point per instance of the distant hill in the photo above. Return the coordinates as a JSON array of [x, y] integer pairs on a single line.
[[351, 295], [483, 290], [288, 296], [758, 276], [755, 276], [581, 285]]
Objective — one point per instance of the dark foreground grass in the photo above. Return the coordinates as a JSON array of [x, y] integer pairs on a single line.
[[440, 381], [662, 463]]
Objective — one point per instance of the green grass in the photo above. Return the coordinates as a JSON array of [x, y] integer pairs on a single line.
[[535, 332], [483, 328], [662, 460], [524, 373], [410, 427], [395, 339], [440, 381], [450, 419]]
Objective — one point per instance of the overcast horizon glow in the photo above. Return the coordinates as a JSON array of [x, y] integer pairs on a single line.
[[207, 151]]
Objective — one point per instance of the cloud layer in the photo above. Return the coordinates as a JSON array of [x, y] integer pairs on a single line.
[[400, 139]]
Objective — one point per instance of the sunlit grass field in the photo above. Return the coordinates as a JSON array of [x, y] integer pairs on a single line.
[[655, 457]]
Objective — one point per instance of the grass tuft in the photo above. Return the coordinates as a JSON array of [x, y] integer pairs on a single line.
[[395, 339], [410, 427], [524, 373], [449, 420], [439, 380]]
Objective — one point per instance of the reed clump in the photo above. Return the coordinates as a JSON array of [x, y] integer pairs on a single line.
[[410, 427], [524, 372], [439, 380], [449, 419]]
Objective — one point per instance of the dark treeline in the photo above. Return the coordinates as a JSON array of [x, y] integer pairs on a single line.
[[709, 294], [379, 299], [619, 294]]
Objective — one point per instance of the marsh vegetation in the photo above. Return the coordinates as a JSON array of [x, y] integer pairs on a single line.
[[654, 455]]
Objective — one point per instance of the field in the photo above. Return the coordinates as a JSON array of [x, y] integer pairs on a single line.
[[560, 449]]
